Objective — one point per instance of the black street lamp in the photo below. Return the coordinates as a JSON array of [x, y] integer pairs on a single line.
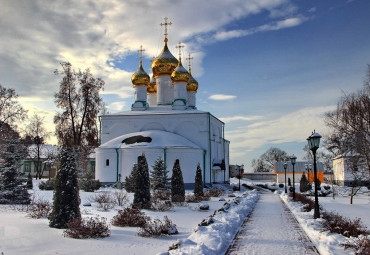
[[314, 143], [293, 160], [285, 166]]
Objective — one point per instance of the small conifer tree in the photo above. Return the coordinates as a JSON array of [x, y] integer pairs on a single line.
[[66, 193], [142, 187], [12, 191], [177, 184], [159, 179], [198, 188], [130, 181], [304, 185], [29, 181]]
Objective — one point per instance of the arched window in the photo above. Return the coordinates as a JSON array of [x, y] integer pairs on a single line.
[[107, 162]]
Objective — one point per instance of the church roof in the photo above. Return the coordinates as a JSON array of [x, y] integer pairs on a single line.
[[150, 138]]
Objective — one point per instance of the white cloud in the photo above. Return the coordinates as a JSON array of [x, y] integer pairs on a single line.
[[221, 97], [37, 35], [116, 106], [277, 25], [240, 118], [293, 127]]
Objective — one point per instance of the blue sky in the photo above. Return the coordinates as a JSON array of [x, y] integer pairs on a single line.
[[270, 69]]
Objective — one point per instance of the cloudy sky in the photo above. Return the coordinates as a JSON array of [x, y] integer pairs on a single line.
[[269, 69]]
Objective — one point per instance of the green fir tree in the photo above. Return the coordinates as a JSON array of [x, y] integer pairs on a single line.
[[29, 181], [159, 179], [130, 181], [142, 187], [66, 193], [304, 185], [177, 184], [198, 188]]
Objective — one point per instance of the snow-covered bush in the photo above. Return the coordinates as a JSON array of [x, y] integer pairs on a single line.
[[104, 200], [47, 185], [308, 203], [207, 221], [191, 198], [87, 228], [361, 244], [247, 186], [336, 223], [161, 205], [121, 197], [130, 217], [39, 208], [158, 228], [214, 192], [88, 182], [198, 187], [161, 195]]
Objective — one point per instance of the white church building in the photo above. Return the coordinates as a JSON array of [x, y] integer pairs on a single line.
[[163, 122]]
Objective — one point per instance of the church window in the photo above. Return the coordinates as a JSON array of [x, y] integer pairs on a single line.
[[107, 162]]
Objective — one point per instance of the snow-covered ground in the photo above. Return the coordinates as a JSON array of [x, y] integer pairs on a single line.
[[22, 235]]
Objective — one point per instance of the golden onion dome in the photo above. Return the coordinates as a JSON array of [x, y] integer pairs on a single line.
[[165, 63], [180, 74], [140, 77], [192, 85], [152, 88]]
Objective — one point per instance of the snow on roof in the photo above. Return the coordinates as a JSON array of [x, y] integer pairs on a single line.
[[299, 167], [163, 109], [160, 139]]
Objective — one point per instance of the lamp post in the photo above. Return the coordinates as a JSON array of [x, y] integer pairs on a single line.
[[285, 166], [293, 160], [314, 143]]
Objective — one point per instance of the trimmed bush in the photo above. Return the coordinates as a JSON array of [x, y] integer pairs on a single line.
[[336, 223], [304, 185], [142, 186], [130, 217], [191, 198], [198, 188], [158, 228], [87, 228], [89, 185], [161, 205]]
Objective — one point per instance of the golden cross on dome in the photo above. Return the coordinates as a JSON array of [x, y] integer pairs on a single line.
[[179, 47], [190, 59], [141, 53], [165, 24]]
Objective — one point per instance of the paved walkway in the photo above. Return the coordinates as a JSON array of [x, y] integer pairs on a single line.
[[271, 229]]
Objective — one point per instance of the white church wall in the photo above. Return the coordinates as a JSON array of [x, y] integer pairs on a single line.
[[189, 158], [106, 173], [164, 90], [128, 157]]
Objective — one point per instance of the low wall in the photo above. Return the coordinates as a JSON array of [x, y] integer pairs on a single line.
[[260, 176]]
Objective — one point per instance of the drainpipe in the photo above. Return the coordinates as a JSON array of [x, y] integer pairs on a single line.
[[223, 146], [209, 149], [99, 139], [204, 167], [117, 162], [165, 156]]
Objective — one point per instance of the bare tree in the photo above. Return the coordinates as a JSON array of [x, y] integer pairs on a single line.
[[11, 112], [80, 102], [350, 124], [325, 158], [37, 133], [267, 160]]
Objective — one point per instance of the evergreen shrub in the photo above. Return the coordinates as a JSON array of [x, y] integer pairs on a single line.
[[177, 184], [142, 187], [47, 185]]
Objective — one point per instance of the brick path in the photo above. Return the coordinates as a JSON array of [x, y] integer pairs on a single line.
[[271, 229]]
